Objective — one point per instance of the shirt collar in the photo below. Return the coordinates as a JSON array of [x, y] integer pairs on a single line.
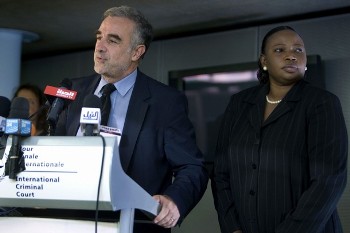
[[123, 85]]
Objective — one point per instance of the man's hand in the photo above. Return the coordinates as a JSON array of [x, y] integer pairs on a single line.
[[169, 213]]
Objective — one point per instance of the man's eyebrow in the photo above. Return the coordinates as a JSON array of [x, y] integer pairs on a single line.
[[98, 32], [114, 36]]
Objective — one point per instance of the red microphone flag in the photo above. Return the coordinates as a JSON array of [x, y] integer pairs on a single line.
[[60, 92]]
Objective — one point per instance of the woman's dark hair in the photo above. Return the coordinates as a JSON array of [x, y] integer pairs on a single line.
[[41, 123], [262, 75]]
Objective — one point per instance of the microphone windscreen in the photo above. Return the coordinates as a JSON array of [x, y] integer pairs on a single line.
[[5, 104], [19, 108], [92, 101]]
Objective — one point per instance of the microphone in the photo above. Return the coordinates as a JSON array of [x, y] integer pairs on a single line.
[[4, 112], [17, 125], [90, 117], [5, 104], [59, 99]]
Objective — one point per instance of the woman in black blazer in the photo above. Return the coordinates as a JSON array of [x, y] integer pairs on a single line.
[[282, 152]]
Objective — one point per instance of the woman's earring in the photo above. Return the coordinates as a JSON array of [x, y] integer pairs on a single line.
[[265, 68], [305, 68]]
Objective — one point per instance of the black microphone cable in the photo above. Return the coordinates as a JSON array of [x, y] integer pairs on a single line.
[[99, 182]]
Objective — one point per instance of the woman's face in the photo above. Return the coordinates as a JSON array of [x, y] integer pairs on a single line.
[[284, 58], [32, 99]]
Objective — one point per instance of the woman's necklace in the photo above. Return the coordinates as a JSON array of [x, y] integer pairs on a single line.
[[271, 101]]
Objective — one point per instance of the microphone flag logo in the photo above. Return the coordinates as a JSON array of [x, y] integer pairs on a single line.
[[18, 127], [60, 92], [90, 115]]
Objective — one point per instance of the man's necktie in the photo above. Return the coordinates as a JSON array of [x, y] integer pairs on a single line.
[[106, 102]]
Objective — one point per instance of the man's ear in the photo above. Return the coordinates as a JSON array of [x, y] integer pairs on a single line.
[[138, 52]]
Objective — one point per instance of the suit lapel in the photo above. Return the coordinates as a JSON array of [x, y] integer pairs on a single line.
[[134, 119], [95, 80], [279, 111], [288, 104], [87, 88], [256, 112]]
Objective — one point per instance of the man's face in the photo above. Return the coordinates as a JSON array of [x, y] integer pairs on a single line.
[[114, 56]]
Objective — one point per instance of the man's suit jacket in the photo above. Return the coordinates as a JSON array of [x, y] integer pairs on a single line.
[[284, 174], [157, 141]]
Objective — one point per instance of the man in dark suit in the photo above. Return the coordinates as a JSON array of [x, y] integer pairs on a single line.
[[157, 147]]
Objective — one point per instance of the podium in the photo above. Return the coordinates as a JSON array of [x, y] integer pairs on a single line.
[[81, 173]]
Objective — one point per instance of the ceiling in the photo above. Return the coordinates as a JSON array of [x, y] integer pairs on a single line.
[[69, 25]]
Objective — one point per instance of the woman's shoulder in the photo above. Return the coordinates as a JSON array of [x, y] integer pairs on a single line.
[[317, 93]]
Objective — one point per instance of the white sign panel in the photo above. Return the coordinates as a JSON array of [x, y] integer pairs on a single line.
[[58, 172]]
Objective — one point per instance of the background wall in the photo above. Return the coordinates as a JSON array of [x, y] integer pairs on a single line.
[[328, 37]]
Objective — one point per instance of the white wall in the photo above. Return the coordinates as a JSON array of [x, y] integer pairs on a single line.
[[329, 37]]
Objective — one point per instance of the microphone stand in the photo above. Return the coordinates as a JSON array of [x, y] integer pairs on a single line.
[[51, 129], [15, 157]]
